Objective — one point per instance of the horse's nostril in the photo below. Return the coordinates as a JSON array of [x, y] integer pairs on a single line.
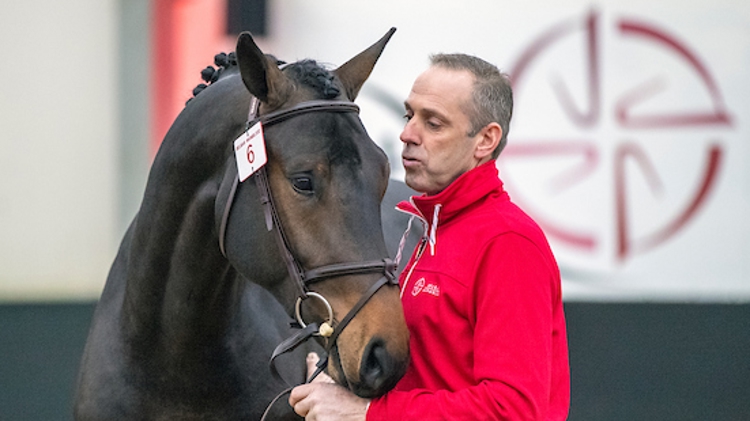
[[374, 365], [379, 372]]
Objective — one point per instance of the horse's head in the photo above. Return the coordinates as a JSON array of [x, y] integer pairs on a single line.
[[326, 178]]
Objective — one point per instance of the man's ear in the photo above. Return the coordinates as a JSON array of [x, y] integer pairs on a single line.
[[489, 138]]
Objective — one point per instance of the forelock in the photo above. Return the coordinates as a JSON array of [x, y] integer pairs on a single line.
[[314, 76]]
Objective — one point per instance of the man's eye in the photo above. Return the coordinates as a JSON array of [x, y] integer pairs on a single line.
[[303, 184]]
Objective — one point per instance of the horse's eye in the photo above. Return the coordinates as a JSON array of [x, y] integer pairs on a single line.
[[303, 184]]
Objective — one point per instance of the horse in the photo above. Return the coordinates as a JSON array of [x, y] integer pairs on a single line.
[[212, 269]]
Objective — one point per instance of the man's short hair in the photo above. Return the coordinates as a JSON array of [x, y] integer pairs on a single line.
[[492, 95]]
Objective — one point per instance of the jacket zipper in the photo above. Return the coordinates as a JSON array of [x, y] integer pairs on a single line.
[[420, 250]]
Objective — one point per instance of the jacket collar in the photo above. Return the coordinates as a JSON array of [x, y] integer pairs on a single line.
[[440, 208]]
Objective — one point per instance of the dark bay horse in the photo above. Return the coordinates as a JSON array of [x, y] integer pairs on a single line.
[[198, 297]]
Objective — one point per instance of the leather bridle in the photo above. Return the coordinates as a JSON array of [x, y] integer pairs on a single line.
[[304, 278]]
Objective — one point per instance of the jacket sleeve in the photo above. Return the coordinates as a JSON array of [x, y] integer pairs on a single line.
[[516, 292]]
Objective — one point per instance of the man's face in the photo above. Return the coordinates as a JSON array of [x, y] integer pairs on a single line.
[[437, 148]]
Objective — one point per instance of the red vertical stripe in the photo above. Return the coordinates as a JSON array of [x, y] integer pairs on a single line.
[[162, 66], [185, 36]]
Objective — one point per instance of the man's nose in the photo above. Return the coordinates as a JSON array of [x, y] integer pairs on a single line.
[[409, 135]]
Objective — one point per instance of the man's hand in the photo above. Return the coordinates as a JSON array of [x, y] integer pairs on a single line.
[[323, 400], [312, 366]]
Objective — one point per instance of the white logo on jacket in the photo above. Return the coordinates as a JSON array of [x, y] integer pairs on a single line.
[[431, 289]]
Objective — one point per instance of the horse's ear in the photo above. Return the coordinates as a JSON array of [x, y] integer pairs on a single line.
[[260, 73], [354, 72]]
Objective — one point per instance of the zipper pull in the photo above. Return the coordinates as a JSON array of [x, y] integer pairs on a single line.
[[414, 260], [422, 246]]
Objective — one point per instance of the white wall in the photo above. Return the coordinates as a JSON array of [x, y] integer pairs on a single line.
[[705, 259], [60, 220], [58, 145]]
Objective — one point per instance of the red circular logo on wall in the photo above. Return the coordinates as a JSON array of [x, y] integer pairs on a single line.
[[616, 142]]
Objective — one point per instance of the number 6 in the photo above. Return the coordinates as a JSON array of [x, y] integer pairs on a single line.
[[250, 153]]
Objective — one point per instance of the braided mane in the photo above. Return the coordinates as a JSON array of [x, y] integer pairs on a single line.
[[210, 74], [305, 72]]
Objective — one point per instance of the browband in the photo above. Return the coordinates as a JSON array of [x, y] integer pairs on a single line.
[[303, 108]]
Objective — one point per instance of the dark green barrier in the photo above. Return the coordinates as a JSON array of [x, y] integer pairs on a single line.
[[630, 362]]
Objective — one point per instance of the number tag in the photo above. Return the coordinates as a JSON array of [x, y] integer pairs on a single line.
[[250, 151]]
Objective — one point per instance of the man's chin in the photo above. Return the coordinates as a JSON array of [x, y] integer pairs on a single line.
[[413, 184]]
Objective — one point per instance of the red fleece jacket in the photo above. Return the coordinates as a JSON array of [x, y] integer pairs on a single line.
[[483, 304]]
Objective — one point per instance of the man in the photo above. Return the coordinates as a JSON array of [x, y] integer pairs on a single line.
[[481, 294]]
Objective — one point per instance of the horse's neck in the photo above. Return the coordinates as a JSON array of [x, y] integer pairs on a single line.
[[177, 279]]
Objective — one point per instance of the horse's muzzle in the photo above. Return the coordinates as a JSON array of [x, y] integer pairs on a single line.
[[379, 371]]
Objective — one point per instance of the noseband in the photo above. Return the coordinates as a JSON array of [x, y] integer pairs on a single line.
[[304, 278]]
